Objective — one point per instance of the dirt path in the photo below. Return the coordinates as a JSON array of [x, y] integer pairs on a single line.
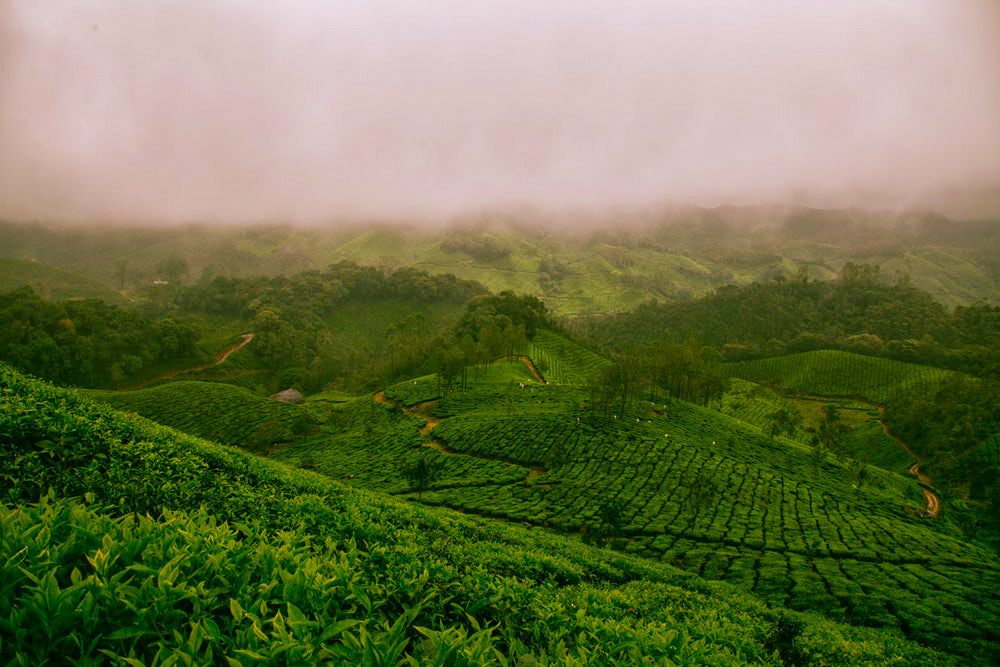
[[933, 502], [425, 411], [527, 362], [246, 338]]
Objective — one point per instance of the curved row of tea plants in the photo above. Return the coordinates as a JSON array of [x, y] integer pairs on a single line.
[[561, 360], [835, 373], [797, 532], [220, 412]]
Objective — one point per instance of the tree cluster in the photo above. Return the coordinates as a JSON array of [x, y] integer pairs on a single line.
[[86, 343], [859, 313], [491, 327], [951, 425], [690, 372]]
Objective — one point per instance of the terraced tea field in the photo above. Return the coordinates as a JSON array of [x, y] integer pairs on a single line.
[[768, 523], [676, 483], [688, 486], [754, 404], [835, 373], [370, 444], [220, 412]]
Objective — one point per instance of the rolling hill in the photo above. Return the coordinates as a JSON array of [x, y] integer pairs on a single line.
[[680, 484], [53, 283], [135, 543]]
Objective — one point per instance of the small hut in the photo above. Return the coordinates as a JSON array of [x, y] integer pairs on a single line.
[[289, 396]]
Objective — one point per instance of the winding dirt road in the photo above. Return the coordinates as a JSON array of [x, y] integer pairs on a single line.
[[933, 502], [425, 411], [246, 338]]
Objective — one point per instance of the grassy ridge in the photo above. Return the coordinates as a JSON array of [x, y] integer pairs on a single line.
[[220, 412], [563, 361], [306, 571], [835, 373], [53, 283]]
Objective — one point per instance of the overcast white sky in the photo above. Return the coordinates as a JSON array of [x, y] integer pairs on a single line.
[[207, 110]]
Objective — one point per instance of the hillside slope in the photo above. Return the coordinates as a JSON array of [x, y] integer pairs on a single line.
[[236, 560], [680, 484], [219, 412], [835, 373], [53, 283]]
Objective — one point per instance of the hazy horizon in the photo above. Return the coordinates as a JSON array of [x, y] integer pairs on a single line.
[[305, 112]]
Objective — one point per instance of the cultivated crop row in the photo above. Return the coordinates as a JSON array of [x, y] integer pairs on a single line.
[[835, 373], [224, 413], [563, 361], [771, 522]]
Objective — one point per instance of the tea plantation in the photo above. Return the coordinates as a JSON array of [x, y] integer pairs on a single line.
[[835, 373], [220, 412], [129, 543], [684, 485]]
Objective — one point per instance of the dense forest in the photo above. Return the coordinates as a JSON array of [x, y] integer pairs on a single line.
[[859, 313], [86, 343], [291, 317]]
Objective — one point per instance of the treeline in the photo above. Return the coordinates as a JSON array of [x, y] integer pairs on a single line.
[[689, 372], [491, 327], [293, 340], [86, 343], [478, 245], [859, 313], [949, 425], [320, 292]]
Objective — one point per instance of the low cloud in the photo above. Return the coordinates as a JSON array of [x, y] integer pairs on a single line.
[[300, 111]]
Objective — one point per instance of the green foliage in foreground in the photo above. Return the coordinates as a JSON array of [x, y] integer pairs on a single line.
[[191, 553]]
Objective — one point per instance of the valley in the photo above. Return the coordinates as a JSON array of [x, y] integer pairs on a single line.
[[762, 446]]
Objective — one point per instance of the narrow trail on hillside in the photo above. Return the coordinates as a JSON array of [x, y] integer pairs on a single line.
[[933, 502], [425, 411], [527, 362], [246, 338]]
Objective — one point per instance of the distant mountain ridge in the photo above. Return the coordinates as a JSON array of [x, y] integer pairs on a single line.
[[579, 263]]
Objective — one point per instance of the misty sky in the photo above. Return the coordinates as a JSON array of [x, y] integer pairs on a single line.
[[311, 111]]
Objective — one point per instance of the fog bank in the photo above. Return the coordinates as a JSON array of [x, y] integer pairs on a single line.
[[300, 111]]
